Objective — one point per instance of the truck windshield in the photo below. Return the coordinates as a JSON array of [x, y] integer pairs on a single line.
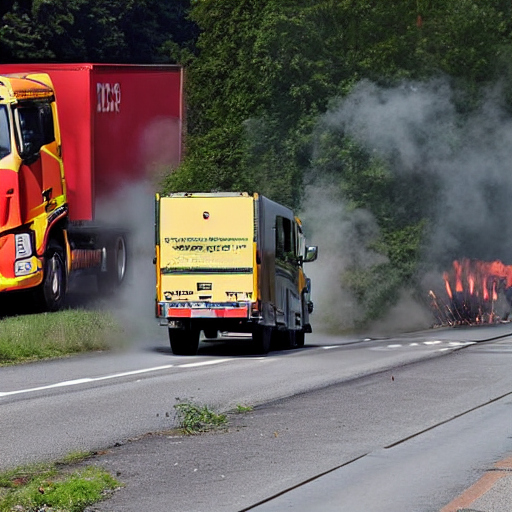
[[5, 139]]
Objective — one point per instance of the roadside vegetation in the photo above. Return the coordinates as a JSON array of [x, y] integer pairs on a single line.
[[195, 419], [56, 487], [242, 409], [52, 335]]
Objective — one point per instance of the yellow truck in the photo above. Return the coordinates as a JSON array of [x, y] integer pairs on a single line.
[[230, 262]]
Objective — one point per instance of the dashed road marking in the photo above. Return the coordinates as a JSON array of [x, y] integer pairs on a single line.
[[439, 345]]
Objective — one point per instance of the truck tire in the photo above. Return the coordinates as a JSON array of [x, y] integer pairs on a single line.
[[50, 293], [261, 337], [184, 342], [111, 280]]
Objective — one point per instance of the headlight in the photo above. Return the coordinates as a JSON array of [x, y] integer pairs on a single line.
[[23, 245], [24, 267]]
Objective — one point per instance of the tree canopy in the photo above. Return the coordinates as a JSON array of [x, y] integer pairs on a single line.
[[124, 31], [272, 83]]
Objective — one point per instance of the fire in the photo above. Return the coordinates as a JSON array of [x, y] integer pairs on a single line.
[[473, 289]]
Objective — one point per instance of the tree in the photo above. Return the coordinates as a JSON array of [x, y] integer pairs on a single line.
[[133, 31]]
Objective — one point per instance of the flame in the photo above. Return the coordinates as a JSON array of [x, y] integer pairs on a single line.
[[471, 283], [473, 287], [447, 285], [458, 276]]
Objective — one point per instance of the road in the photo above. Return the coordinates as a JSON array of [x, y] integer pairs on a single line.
[[350, 397]]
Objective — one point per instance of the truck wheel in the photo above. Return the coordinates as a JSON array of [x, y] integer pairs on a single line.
[[184, 342], [261, 337], [300, 338], [50, 293], [110, 280], [119, 257]]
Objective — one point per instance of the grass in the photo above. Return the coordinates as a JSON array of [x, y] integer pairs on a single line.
[[194, 419], [50, 335], [54, 487], [241, 409]]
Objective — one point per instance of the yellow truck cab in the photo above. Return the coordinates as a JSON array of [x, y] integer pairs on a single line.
[[230, 262]]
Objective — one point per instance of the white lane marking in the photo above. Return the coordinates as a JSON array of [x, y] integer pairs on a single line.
[[203, 363], [330, 346], [437, 342], [107, 377], [414, 344], [396, 345], [461, 343]]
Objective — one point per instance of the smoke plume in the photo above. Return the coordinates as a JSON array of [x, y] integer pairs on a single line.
[[420, 130], [133, 304]]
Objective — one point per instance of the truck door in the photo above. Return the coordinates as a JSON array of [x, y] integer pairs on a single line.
[[287, 274], [41, 175]]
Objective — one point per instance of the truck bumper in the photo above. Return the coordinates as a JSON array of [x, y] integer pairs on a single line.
[[18, 274], [21, 283], [168, 311]]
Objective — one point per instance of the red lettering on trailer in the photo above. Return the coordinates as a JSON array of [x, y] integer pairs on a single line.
[[108, 97]]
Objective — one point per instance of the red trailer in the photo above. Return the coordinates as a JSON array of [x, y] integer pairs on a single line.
[[98, 127]]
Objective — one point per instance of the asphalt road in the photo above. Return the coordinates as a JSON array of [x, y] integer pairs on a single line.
[[338, 402], [51, 408]]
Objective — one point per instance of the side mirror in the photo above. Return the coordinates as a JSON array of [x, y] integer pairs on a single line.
[[311, 253]]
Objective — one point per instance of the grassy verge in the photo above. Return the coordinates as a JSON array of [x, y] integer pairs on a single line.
[[49, 335], [54, 487]]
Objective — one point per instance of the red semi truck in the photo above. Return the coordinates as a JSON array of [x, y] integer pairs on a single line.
[[71, 136]]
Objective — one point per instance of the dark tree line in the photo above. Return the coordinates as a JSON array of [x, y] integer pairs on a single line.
[[132, 31]]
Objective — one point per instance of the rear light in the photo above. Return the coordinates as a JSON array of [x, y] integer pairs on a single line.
[[255, 309]]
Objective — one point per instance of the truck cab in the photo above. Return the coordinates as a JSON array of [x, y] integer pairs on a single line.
[[33, 206]]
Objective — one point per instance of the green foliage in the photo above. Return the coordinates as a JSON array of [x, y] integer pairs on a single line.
[[194, 419], [46, 486], [49, 335], [242, 409], [375, 289], [134, 31], [378, 287]]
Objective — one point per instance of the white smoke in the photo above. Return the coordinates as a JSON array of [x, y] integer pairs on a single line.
[[418, 129], [133, 304], [343, 238]]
